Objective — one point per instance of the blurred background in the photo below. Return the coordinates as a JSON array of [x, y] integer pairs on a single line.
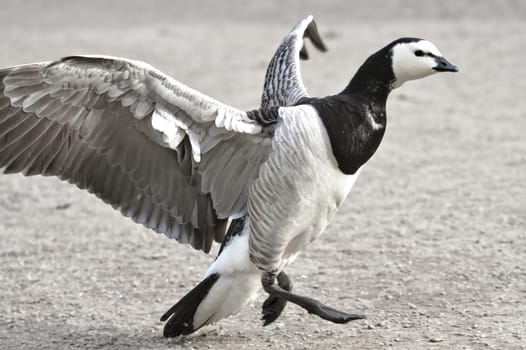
[[430, 244]]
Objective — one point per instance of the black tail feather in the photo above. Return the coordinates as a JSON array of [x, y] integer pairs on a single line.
[[181, 316]]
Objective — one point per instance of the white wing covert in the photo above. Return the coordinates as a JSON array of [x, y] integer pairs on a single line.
[[283, 84], [165, 155]]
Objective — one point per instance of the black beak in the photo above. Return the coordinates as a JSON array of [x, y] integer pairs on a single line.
[[444, 66]]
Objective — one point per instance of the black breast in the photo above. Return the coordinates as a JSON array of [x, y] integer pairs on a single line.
[[352, 133]]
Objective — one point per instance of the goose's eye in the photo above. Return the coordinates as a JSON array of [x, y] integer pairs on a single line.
[[419, 53]]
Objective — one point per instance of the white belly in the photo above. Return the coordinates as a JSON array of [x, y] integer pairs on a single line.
[[298, 191], [315, 210]]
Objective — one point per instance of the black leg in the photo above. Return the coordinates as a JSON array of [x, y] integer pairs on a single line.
[[274, 305], [311, 305]]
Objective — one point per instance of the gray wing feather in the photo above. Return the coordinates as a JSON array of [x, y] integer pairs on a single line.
[[283, 84], [139, 140], [228, 166]]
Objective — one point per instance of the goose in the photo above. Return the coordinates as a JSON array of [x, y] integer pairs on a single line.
[[263, 183]]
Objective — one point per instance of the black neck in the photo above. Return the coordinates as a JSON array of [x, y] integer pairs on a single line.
[[347, 115], [373, 79]]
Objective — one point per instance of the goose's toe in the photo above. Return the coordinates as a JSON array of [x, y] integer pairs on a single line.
[[272, 309]]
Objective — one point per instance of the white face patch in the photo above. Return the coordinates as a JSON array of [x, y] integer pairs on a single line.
[[413, 61], [427, 46]]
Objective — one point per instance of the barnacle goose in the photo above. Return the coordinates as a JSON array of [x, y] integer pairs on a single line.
[[264, 183]]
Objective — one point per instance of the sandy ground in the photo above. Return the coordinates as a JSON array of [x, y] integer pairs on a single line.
[[430, 245]]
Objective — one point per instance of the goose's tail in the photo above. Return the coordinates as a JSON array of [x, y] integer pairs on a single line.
[[230, 283]]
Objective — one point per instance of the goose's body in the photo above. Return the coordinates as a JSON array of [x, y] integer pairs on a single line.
[[185, 165], [303, 167]]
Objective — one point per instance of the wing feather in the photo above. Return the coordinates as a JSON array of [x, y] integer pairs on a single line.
[[283, 84], [167, 156]]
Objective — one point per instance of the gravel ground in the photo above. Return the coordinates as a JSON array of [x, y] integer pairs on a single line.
[[430, 245]]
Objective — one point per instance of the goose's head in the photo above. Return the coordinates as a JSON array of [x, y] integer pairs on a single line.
[[414, 58]]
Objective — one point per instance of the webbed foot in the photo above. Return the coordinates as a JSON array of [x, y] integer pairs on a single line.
[[312, 306], [274, 305]]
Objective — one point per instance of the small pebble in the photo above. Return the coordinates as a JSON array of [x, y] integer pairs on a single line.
[[435, 340], [380, 324]]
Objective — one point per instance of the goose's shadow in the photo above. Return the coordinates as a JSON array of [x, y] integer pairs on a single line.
[[53, 336]]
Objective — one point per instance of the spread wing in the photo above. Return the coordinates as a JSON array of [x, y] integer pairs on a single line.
[[163, 154], [283, 83]]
